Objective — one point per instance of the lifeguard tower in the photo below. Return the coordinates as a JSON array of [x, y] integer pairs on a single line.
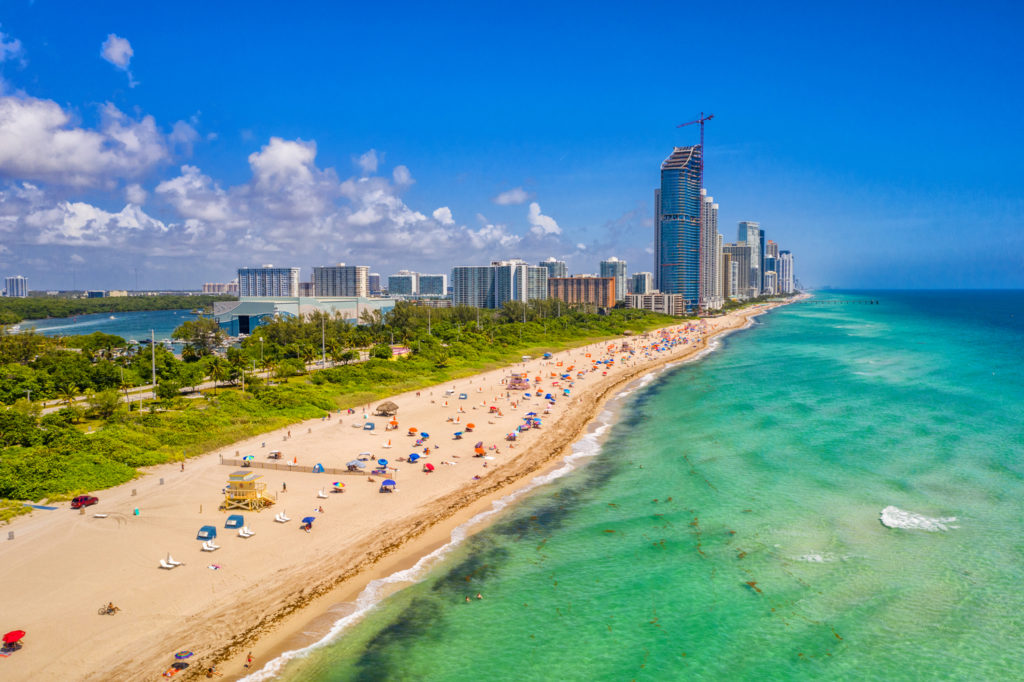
[[245, 491]]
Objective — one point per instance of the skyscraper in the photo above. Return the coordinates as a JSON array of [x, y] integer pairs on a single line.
[[268, 281], [473, 285], [373, 282], [710, 298], [491, 286], [616, 269], [555, 268], [404, 283], [739, 255], [677, 230], [586, 289], [433, 285], [16, 286], [341, 280], [785, 265], [750, 234], [642, 283]]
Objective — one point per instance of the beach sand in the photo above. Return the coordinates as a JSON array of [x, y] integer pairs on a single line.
[[62, 566]]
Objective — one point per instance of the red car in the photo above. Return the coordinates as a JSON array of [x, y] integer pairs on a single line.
[[83, 501]]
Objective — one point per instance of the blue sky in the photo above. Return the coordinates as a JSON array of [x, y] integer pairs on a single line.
[[881, 143]]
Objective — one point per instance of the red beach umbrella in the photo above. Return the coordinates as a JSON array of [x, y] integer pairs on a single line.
[[428, 467], [13, 636]]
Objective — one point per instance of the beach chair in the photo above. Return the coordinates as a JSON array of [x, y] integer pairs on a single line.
[[172, 562], [164, 564], [281, 518], [245, 532], [321, 494], [210, 547]]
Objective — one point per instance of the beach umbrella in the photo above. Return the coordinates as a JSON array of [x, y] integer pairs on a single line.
[[413, 457], [480, 451], [388, 481], [356, 463], [470, 426], [382, 462], [428, 467], [249, 457], [479, 444], [13, 636], [458, 433], [413, 429], [183, 655], [424, 435], [179, 665], [309, 519], [531, 414], [338, 484]]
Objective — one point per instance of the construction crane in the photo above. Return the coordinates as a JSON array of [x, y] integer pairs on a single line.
[[700, 276]]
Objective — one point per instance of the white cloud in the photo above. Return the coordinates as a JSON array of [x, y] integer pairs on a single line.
[[183, 136], [443, 215], [492, 235], [135, 194], [10, 48], [512, 196], [118, 51], [195, 195], [402, 176], [368, 162], [81, 224], [38, 142], [75, 258], [541, 224]]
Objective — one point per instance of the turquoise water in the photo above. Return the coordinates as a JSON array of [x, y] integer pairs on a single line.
[[132, 325], [729, 527]]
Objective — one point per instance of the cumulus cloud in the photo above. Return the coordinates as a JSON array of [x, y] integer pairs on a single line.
[[402, 176], [75, 258], [135, 194], [443, 215], [541, 224], [10, 48], [118, 51], [38, 142], [81, 224], [512, 197], [368, 162]]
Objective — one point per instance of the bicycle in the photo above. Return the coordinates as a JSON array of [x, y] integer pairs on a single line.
[[107, 610]]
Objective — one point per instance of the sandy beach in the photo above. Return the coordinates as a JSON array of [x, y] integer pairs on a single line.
[[258, 594]]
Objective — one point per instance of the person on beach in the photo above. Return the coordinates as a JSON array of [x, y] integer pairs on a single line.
[[284, 487], [248, 660]]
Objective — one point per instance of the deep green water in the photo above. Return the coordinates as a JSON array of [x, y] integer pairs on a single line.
[[729, 527]]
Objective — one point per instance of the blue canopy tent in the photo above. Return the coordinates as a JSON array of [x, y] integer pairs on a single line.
[[235, 521], [388, 485], [207, 533]]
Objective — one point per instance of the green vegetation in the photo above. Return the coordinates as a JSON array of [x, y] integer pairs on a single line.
[[53, 456], [14, 310]]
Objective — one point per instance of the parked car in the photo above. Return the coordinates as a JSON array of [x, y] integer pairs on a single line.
[[83, 501]]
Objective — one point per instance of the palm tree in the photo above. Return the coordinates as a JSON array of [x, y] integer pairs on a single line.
[[68, 392], [218, 372]]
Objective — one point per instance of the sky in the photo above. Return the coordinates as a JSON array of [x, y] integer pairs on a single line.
[[148, 145]]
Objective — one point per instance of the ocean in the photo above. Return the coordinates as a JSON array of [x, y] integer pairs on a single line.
[[722, 521], [131, 325]]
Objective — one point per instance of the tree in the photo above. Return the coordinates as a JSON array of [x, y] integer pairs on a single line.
[[381, 350], [67, 393], [168, 390], [191, 375], [218, 372], [202, 335], [104, 403], [349, 356]]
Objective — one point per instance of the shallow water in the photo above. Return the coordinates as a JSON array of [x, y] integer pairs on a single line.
[[729, 526]]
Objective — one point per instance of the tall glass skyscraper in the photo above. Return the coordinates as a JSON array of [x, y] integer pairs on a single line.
[[677, 227]]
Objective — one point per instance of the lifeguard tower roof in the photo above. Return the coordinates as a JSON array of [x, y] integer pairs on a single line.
[[244, 476]]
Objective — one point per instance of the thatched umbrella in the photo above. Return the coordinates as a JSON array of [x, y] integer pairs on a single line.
[[387, 409]]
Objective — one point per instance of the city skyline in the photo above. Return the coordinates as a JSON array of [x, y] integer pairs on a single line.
[[188, 164]]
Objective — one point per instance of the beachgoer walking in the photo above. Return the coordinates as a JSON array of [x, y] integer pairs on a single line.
[[284, 487], [182, 466], [248, 660]]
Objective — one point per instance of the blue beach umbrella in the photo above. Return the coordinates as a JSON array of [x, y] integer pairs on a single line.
[[413, 457], [424, 435], [531, 414], [388, 482], [382, 462], [309, 519]]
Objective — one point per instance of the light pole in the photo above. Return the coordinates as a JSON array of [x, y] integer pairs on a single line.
[[152, 348], [261, 350], [323, 339]]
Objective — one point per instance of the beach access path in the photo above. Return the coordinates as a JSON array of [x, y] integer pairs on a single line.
[[63, 565]]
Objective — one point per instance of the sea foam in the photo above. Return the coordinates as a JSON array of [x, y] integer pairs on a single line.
[[894, 517]]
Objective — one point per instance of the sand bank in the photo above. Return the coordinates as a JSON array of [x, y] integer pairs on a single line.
[[62, 565]]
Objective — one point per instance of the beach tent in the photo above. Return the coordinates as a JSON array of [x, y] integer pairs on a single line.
[[235, 521], [318, 469], [388, 483], [355, 464], [207, 533]]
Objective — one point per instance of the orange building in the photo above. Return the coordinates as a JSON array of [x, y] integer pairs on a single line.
[[599, 291]]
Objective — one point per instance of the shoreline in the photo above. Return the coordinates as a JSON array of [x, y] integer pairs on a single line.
[[316, 624], [265, 592]]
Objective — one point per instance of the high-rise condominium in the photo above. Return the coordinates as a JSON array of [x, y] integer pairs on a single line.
[[268, 281], [433, 285], [749, 233], [374, 283], [404, 283], [739, 255], [785, 265], [641, 283], [616, 269], [341, 280], [16, 286], [491, 286], [555, 268], [710, 260], [677, 225]]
